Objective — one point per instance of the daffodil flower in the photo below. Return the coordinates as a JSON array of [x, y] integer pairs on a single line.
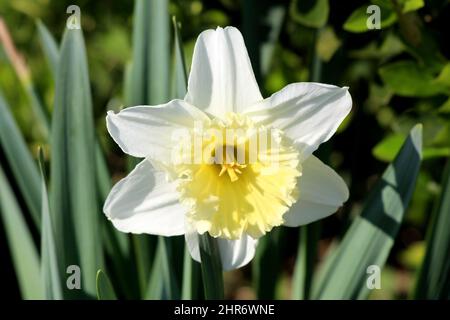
[[235, 202]]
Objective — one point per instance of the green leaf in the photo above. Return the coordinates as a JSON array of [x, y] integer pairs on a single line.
[[49, 261], [411, 5], [444, 76], [149, 73], [73, 173], [191, 277], [407, 78], [357, 22], [327, 43], [180, 78], [24, 254], [144, 252], [49, 46], [434, 277], [306, 258], [386, 149], [155, 284], [310, 13], [20, 161], [117, 242], [211, 267], [105, 290], [163, 282], [266, 264], [371, 235], [171, 288]]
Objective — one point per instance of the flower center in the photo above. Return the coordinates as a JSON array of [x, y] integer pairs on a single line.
[[232, 169], [237, 177]]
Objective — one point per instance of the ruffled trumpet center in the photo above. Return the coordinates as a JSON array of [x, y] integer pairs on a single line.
[[237, 177]]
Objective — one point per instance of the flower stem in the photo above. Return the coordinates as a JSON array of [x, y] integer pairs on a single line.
[[211, 267]]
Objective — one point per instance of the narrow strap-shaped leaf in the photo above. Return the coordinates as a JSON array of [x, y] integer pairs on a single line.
[[211, 267], [155, 284], [24, 255], [49, 261], [149, 71], [117, 241], [163, 282], [434, 277], [179, 74], [304, 265], [49, 46], [371, 236], [74, 206], [105, 290], [266, 264], [191, 277], [171, 287], [144, 253], [20, 161]]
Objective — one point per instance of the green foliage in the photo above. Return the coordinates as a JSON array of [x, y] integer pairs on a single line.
[[211, 267], [20, 160], [434, 278], [49, 261], [74, 204], [371, 235], [357, 22], [23, 251], [105, 290], [311, 13], [389, 147], [407, 78]]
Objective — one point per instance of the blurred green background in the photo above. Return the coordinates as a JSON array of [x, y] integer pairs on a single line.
[[398, 76]]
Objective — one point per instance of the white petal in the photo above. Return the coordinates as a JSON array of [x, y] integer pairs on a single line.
[[221, 78], [145, 202], [233, 253], [148, 131], [321, 192], [309, 113]]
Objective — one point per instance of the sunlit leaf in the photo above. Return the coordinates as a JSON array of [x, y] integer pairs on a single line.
[[149, 73], [310, 13], [407, 78], [371, 236], [20, 161], [411, 5], [389, 147], [74, 206], [23, 252], [357, 22]]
